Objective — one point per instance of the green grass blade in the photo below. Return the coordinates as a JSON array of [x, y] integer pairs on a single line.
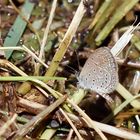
[[29, 78], [18, 28]]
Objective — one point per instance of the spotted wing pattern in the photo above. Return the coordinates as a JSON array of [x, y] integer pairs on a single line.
[[100, 72]]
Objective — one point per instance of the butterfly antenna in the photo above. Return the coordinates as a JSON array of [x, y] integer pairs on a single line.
[[73, 70], [77, 60]]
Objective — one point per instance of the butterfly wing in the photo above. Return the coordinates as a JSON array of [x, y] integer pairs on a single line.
[[100, 72]]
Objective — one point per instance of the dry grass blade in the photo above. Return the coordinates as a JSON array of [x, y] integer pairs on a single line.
[[6, 63], [7, 124], [129, 63], [66, 40], [54, 4], [72, 125], [116, 49], [31, 124], [123, 41], [24, 48], [110, 129], [87, 119], [120, 107], [43, 43], [103, 127], [70, 134], [127, 95]]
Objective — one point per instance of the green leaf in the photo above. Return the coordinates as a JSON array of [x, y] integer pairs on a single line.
[[18, 28]]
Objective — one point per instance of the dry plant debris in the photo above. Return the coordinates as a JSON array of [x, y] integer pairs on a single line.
[[43, 47]]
